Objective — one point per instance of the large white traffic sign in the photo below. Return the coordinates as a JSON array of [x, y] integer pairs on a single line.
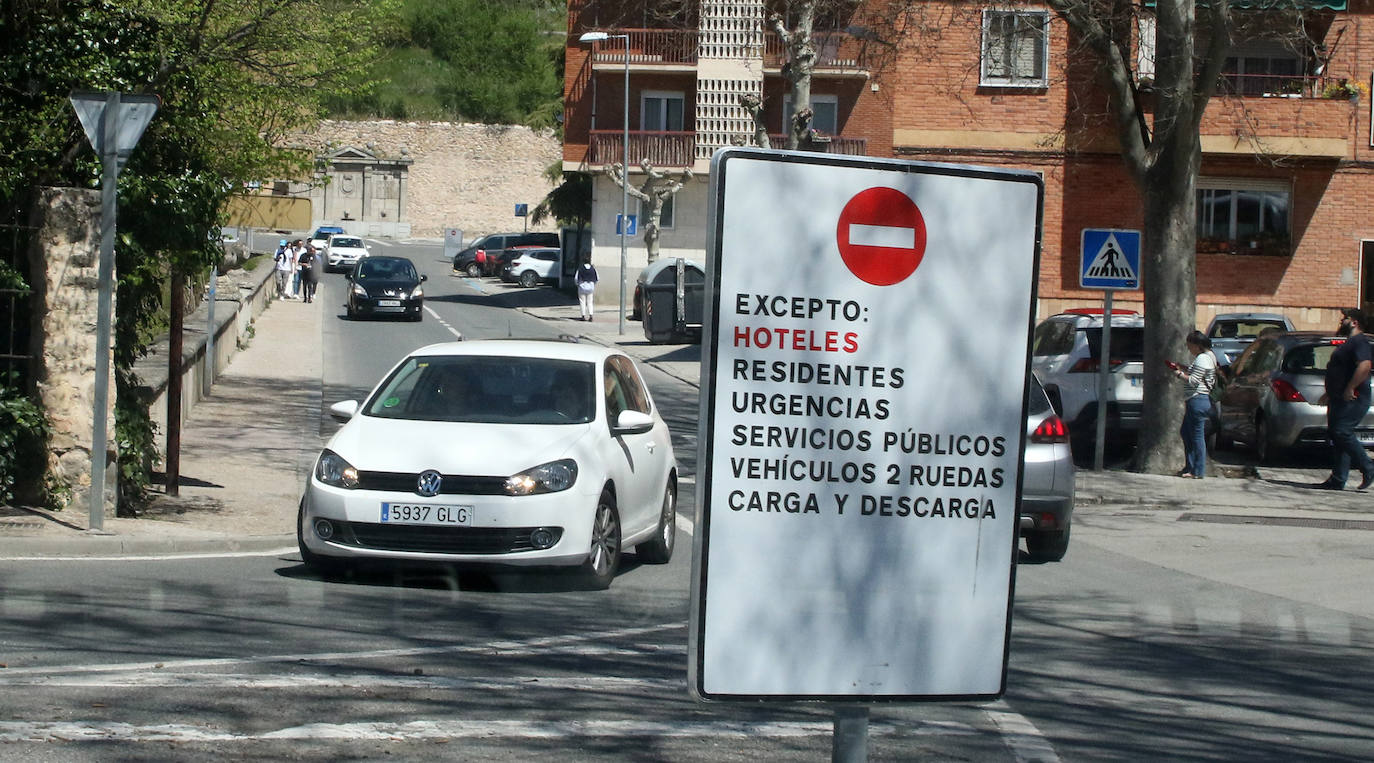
[[863, 415]]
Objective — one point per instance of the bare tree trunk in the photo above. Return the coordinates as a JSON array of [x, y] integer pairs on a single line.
[[1169, 275]]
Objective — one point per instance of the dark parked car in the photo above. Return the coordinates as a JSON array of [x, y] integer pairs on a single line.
[[482, 257], [1231, 333], [1270, 402], [385, 286]]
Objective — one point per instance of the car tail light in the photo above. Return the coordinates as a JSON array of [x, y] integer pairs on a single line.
[[1051, 429], [1090, 365], [1286, 392]]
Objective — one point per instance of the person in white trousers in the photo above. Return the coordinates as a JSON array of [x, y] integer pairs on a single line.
[[586, 288]]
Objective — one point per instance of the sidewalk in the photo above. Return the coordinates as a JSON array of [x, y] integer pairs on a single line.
[[245, 455], [248, 448]]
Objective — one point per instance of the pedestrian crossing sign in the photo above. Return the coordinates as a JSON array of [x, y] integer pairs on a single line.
[[1111, 259]]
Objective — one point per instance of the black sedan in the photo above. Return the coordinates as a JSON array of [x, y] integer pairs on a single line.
[[385, 286]]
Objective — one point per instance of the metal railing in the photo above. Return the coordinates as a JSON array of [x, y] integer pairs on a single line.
[[651, 46], [834, 50], [661, 149], [828, 144], [1271, 86]]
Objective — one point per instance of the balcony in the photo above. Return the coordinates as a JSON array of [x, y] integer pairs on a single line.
[[1279, 115], [837, 53], [827, 144], [649, 49], [661, 149]]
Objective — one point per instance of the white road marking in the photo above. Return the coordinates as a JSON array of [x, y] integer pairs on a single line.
[[444, 323], [1022, 738], [561, 644], [163, 558], [40, 731], [882, 235]]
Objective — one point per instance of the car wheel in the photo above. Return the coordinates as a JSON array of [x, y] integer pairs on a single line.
[[473, 270], [604, 556], [348, 309], [529, 279], [1048, 545], [660, 549], [326, 566]]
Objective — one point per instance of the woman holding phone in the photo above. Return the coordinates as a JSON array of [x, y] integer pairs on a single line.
[[1199, 379]]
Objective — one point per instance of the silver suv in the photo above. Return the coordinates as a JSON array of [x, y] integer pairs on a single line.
[[1066, 354]]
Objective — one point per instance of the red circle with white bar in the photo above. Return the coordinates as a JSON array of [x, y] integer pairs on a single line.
[[882, 236]]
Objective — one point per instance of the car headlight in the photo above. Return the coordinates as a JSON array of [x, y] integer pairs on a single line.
[[417, 293], [545, 478], [359, 291], [334, 471]]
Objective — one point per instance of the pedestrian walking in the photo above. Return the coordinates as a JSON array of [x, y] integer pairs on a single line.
[[308, 268], [1199, 379], [284, 268], [297, 250], [586, 287], [1347, 400]]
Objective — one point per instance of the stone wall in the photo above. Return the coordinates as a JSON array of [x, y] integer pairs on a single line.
[[466, 176], [64, 273]]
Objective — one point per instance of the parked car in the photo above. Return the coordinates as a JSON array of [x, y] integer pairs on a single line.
[[1270, 401], [386, 286], [479, 257], [661, 271], [343, 252], [497, 452], [1231, 333], [1066, 353], [1047, 480], [505, 257], [532, 267], [320, 237]]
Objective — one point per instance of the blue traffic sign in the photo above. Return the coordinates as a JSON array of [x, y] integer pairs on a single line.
[[521, 210], [629, 229], [1110, 259]]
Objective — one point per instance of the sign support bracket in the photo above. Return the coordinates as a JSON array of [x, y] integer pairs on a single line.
[[850, 741]]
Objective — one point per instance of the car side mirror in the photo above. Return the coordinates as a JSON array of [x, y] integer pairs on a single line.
[[343, 410], [423, 278], [632, 422]]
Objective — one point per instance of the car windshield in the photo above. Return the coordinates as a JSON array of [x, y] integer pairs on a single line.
[[1128, 343], [326, 232], [1243, 329], [1308, 359], [386, 269], [351, 243], [488, 390]]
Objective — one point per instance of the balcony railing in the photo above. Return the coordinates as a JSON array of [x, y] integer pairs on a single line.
[[829, 144], [650, 46], [834, 50], [1279, 86], [661, 149]]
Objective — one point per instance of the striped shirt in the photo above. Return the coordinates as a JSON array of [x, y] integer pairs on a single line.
[[1202, 374]]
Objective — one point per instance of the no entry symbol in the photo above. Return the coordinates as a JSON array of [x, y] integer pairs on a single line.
[[881, 235]]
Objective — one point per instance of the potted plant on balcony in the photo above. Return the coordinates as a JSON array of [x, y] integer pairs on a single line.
[[1343, 88]]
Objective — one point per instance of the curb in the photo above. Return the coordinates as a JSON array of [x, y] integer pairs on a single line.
[[94, 545]]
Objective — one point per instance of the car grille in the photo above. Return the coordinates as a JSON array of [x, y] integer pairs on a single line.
[[439, 540], [452, 484]]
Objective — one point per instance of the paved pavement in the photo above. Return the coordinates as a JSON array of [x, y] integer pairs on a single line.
[[248, 448]]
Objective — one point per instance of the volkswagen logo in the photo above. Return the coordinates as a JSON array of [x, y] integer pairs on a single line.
[[429, 483]]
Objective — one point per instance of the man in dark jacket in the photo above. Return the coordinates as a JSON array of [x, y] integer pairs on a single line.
[[1347, 400]]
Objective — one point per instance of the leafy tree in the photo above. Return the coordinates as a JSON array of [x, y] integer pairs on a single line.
[[570, 202], [233, 76]]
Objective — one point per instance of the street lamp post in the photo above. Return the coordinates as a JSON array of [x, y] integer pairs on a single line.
[[592, 37]]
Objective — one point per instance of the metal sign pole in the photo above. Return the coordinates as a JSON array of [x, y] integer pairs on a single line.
[[1104, 367], [109, 179], [850, 742]]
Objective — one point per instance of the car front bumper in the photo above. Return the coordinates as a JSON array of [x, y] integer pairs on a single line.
[[500, 532], [404, 306]]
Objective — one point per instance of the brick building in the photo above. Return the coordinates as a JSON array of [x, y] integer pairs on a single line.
[[1288, 152]]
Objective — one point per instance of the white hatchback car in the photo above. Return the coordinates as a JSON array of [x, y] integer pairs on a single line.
[[499, 452], [532, 267], [343, 251]]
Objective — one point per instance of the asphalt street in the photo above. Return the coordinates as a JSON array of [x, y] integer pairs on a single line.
[[1191, 620]]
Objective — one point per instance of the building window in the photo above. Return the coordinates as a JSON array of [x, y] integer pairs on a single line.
[[665, 218], [1243, 217], [660, 111], [825, 114], [1015, 48], [1263, 68]]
